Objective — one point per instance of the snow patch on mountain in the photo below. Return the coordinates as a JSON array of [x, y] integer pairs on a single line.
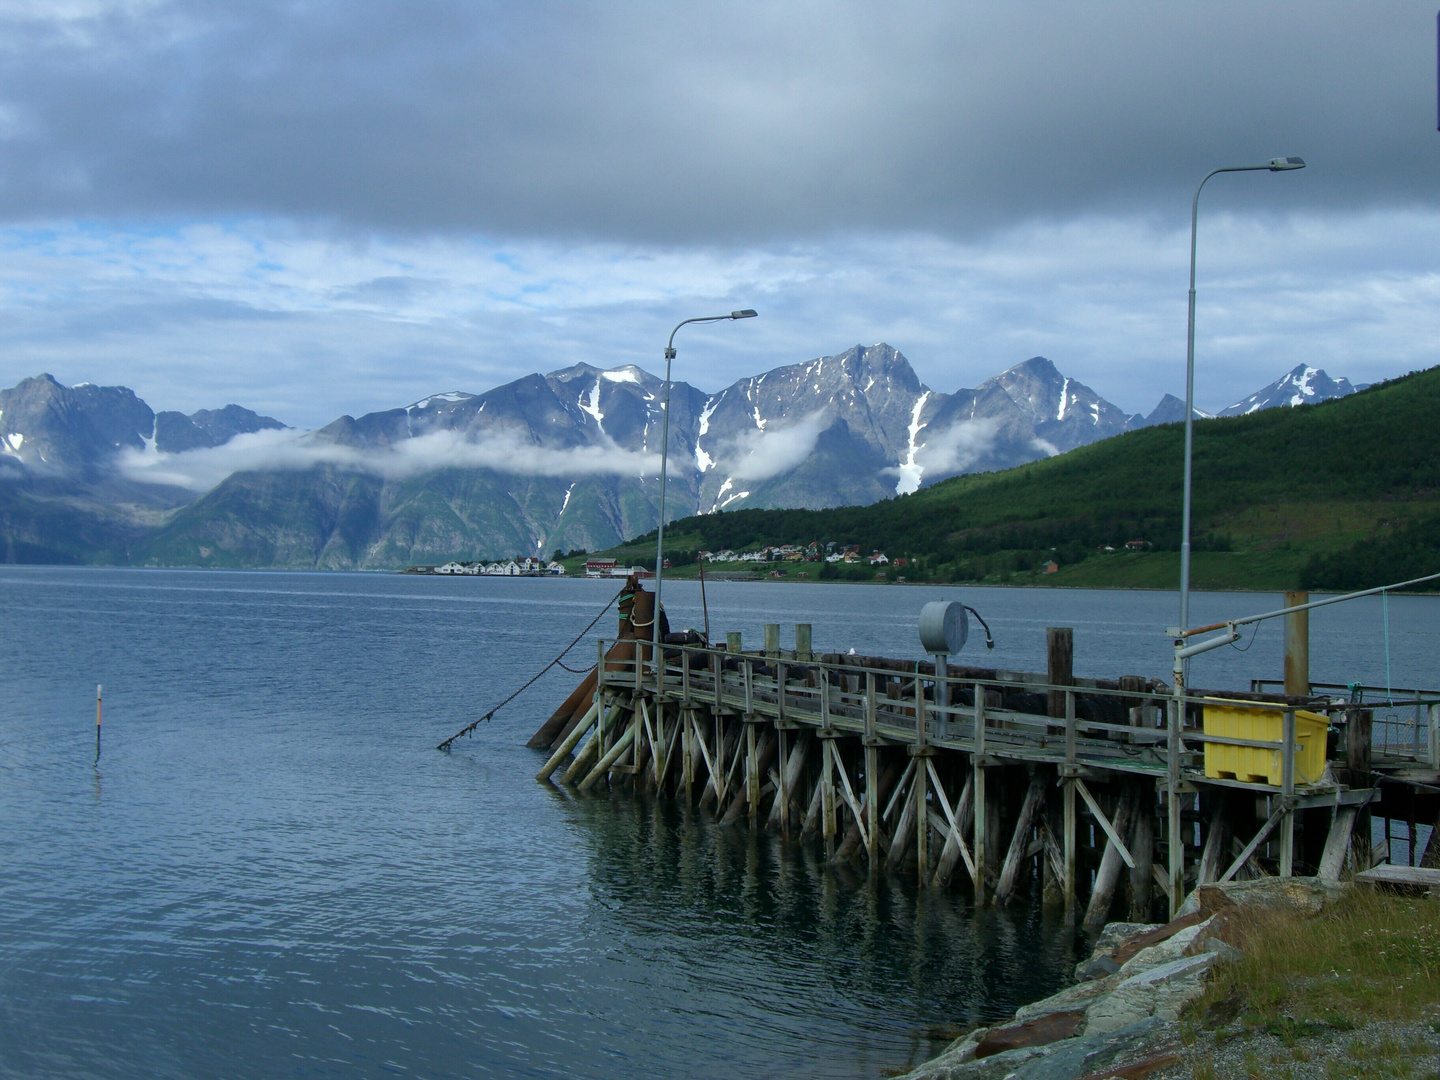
[[593, 408], [910, 469]]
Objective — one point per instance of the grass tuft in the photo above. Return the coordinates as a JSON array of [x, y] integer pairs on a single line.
[[1371, 956]]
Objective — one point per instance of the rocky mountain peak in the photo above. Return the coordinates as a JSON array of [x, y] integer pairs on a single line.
[[1301, 385]]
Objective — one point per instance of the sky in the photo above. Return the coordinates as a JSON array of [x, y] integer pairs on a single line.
[[314, 208]]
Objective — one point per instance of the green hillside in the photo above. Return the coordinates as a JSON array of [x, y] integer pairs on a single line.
[[1336, 495]]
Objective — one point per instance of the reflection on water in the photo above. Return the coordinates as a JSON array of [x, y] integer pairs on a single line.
[[878, 946]]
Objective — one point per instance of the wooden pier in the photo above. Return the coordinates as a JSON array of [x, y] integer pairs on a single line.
[[1093, 791]]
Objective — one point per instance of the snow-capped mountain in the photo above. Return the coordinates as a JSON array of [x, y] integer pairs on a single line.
[[1302, 385], [568, 459], [43, 422]]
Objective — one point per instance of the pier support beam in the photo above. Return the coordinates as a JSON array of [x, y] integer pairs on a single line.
[[827, 796], [1020, 842], [922, 817], [875, 791], [1108, 876]]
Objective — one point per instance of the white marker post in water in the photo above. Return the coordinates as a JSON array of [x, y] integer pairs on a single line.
[[98, 688]]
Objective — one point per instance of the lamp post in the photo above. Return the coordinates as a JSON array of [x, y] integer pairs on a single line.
[[1175, 721], [747, 313], [1280, 164]]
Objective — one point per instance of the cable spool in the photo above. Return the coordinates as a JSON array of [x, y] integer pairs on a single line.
[[944, 627]]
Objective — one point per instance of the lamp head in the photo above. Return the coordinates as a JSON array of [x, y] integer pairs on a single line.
[[1285, 164], [750, 313]]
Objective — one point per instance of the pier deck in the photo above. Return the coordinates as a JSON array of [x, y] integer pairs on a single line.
[[1095, 789]]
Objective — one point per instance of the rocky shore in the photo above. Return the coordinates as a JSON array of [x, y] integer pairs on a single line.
[[1121, 1016]]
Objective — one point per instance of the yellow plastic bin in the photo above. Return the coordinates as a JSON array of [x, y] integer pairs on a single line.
[[1253, 764]]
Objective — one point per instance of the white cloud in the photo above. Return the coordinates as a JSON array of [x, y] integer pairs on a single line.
[[505, 452], [758, 455], [958, 447]]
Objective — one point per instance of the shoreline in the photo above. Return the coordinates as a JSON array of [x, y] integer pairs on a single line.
[[1151, 1001]]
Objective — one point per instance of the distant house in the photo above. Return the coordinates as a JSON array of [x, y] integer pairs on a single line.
[[553, 567], [599, 567], [878, 559], [450, 568], [1051, 567], [1138, 545]]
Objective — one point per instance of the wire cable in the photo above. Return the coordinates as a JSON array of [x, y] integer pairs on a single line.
[[470, 728]]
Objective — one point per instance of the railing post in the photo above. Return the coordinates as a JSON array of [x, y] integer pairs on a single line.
[[1435, 735], [869, 706], [749, 686], [824, 704], [685, 674], [1287, 793], [781, 678], [919, 710]]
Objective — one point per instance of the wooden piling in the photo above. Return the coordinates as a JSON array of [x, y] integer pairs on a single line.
[[1297, 646], [1108, 876], [571, 741], [1020, 841], [922, 818], [1059, 664]]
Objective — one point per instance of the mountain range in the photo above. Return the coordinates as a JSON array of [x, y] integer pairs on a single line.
[[565, 460]]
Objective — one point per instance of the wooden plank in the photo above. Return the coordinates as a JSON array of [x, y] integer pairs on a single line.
[[1337, 843], [1217, 841], [1253, 846], [1386, 874], [849, 794], [1108, 875], [1104, 823], [955, 847], [904, 832]]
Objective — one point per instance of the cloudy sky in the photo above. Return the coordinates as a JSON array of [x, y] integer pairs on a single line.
[[317, 208]]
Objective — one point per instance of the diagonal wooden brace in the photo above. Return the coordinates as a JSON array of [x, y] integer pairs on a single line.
[[1105, 823]]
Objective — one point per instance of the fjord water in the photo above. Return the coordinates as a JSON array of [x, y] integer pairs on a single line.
[[273, 873]]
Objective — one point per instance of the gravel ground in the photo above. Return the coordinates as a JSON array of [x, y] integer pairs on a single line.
[[1381, 1050]]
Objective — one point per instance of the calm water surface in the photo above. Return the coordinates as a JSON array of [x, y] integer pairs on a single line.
[[273, 873]]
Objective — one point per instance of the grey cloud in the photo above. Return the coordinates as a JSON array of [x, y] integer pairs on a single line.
[[711, 123]]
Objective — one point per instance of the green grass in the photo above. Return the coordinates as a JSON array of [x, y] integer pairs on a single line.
[[1370, 957]]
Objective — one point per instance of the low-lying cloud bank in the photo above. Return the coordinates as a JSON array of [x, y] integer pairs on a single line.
[[760, 454], [287, 451]]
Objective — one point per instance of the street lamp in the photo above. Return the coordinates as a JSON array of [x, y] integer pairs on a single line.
[[747, 313], [1279, 164]]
